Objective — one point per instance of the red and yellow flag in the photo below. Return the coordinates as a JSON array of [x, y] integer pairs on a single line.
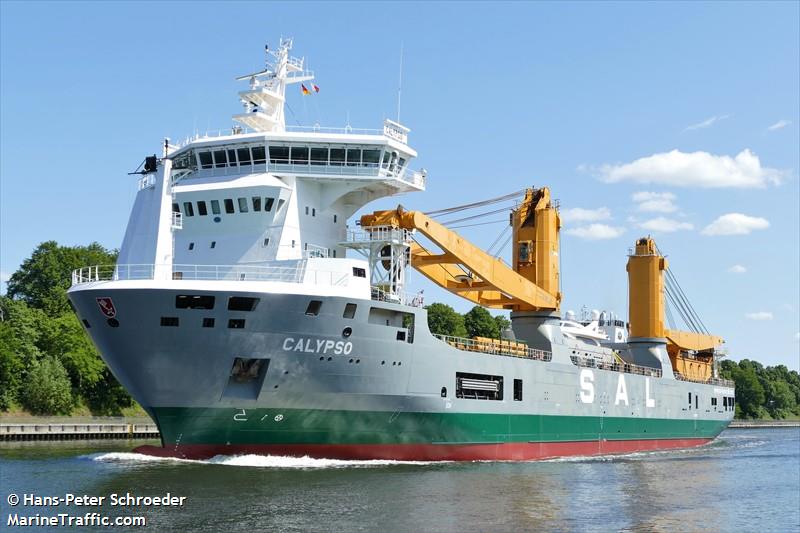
[[304, 90]]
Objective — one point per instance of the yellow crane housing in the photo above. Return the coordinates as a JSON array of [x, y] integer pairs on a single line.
[[691, 353], [466, 270]]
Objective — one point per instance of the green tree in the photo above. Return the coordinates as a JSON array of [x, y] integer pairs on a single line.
[[43, 279], [749, 393], [480, 323], [502, 323], [11, 367], [107, 397], [444, 320], [781, 401], [63, 337], [47, 389]]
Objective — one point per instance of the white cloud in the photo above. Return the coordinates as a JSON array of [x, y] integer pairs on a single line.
[[578, 214], [658, 202], [779, 125], [737, 269], [707, 122], [695, 169], [595, 232], [760, 315], [735, 224], [665, 225]]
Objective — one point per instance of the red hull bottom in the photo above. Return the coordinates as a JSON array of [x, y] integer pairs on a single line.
[[512, 451]]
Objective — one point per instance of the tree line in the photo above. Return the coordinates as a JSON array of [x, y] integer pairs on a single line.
[[48, 364]]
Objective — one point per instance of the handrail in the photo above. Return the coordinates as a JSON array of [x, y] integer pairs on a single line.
[[626, 368], [710, 381], [298, 273], [496, 347]]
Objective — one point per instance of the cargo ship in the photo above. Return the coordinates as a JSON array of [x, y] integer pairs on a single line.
[[247, 313]]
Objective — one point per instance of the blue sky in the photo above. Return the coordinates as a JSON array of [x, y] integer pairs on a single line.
[[674, 119]]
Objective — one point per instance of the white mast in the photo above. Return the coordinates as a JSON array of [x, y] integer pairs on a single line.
[[264, 102]]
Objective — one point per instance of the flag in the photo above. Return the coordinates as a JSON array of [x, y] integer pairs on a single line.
[[304, 90], [315, 87]]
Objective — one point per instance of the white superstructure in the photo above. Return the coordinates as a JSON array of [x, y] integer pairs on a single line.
[[262, 194]]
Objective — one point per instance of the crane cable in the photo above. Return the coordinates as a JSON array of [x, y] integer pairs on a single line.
[[455, 209]]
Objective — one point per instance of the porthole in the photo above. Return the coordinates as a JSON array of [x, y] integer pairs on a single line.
[[217, 219], [346, 332], [113, 322], [444, 392]]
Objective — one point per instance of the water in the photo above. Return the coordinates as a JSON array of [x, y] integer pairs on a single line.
[[746, 480]]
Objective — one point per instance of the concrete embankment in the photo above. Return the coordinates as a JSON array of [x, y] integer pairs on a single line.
[[752, 424], [76, 428]]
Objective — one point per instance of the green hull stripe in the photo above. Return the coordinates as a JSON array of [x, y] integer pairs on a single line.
[[317, 426]]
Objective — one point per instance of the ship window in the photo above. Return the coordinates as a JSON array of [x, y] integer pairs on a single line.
[[268, 203], [256, 203], [191, 246], [215, 207], [176, 208], [334, 219], [220, 158], [244, 156], [232, 158], [242, 205], [386, 158], [349, 311], [242, 303], [306, 210], [401, 162], [313, 211], [213, 244], [188, 210], [169, 321], [229, 206], [401, 336], [371, 158], [259, 155], [517, 390], [292, 243], [202, 210], [281, 201], [696, 401], [337, 156], [359, 272], [236, 323], [205, 160], [208, 322], [194, 301], [353, 157], [299, 155], [319, 156], [479, 386], [313, 307], [266, 242], [279, 155]]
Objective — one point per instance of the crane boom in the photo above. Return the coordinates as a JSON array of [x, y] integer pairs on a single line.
[[475, 275]]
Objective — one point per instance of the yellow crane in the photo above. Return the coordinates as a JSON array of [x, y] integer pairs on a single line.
[[532, 284], [691, 353]]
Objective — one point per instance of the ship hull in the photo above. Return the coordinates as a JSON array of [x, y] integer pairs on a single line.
[[368, 386]]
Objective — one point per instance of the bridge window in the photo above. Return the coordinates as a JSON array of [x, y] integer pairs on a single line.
[[337, 156], [201, 208], [220, 158], [188, 210], [242, 205], [279, 155], [353, 157], [205, 160], [319, 156], [215, 207], [281, 201], [371, 158], [259, 155], [268, 203], [176, 208], [244, 155], [313, 307], [232, 158], [299, 155], [256, 203], [386, 158], [359, 272]]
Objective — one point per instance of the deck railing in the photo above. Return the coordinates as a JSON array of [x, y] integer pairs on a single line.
[[496, 347], [710, 381], [298, 273], [626, 368]]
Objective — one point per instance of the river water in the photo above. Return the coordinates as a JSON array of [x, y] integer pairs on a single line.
[[746, 480]]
